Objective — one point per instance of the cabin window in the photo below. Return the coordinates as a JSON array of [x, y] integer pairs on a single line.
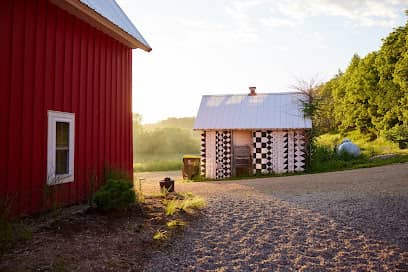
[[60, 161]]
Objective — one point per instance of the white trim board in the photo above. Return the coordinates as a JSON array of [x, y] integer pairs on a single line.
[[53, 118]]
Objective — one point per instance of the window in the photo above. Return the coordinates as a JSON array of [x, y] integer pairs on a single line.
[[61, 134]]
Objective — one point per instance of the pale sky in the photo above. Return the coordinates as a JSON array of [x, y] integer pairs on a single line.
[[224, 46]]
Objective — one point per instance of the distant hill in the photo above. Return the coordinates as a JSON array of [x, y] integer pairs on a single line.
[[172, 122]]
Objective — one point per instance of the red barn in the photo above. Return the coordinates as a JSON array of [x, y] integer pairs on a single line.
[[65, 99]]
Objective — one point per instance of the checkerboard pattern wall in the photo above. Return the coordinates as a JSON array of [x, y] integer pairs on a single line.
[[278, 151], [202, 153], [223, 157]]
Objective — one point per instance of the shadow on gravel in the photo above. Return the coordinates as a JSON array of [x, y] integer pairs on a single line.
[[255, 233]]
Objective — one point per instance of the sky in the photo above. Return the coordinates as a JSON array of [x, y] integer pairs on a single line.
[[203, 47]]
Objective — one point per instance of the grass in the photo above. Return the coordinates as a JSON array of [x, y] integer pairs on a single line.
[[188, 203], [160, 235], [171, 206], [11, 231], [192, 203], [175, 223], [161, 162], [161, 165], [325, 158], [175, 204], [369, 148]]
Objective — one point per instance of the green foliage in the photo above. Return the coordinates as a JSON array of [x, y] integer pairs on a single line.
[[10, 232], [171, 206], [114, 195], [160, 146], [167, 141], [368, 147], [175, 223], [171, 136], [158, 165], [371, 96], [160, 235], [326, 160], [185, 122], [188, 204], [192, 203]]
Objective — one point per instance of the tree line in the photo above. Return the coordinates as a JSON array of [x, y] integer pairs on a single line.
[[170, 136], [371, 95]]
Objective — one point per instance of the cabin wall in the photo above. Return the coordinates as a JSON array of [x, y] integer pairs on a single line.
[[278, 151], [242, 137], [51, 60], [273, 151]]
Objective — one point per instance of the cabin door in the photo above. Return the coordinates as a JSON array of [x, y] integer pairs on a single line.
[[242, 155]]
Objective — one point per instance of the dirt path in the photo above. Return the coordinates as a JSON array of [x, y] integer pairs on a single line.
[[350, 220]]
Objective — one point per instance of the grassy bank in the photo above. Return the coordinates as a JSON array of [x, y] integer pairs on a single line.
[[368, 148], [157, 162], [325, 158]]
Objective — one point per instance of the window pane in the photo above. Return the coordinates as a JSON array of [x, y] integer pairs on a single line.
[[61, 162], [62, 134]]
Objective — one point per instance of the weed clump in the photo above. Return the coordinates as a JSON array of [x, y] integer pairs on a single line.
[[116, 194], [175, 223], [160, 235]]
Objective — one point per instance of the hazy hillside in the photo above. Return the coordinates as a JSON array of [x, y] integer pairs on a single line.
[[164, 142], [172, 122]]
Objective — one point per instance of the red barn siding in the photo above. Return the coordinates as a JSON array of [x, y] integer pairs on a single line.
[[51, 60]]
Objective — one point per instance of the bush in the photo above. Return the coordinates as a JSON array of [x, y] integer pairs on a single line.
[[114, 195]]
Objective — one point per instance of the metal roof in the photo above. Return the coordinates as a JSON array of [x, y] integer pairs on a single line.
[[112, 11], [262, 111]]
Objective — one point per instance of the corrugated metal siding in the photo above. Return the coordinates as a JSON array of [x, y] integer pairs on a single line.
[[263, 111], [51, 60]]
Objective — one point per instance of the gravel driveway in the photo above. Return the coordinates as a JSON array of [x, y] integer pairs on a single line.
[[341, 221]]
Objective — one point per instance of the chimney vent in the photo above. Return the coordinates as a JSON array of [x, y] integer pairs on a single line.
[[252, 91]]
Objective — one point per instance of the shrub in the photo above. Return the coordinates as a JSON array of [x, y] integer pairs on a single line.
[[114, 195]]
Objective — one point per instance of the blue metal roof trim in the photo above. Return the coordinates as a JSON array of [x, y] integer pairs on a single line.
[[112, 11]]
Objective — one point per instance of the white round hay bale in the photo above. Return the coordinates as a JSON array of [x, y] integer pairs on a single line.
[[348, 147]]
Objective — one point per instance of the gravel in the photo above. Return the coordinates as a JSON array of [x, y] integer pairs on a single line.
[[341, 221]]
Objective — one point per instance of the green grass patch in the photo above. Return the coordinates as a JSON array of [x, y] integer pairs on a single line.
[[175, 223], [160, 235], [171, 206], [157, 166], [157, 162], [11, 232], [368, 147], [192, 203], [183, 202]]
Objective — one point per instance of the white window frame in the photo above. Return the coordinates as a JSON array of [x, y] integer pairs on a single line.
[[53, 118]]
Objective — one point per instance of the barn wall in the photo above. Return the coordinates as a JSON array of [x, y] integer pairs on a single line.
[[50, 60]]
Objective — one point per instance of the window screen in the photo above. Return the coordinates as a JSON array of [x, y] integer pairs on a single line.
[[62, 148]]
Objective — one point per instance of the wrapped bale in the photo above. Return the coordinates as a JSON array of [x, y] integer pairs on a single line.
[[348, 147]]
